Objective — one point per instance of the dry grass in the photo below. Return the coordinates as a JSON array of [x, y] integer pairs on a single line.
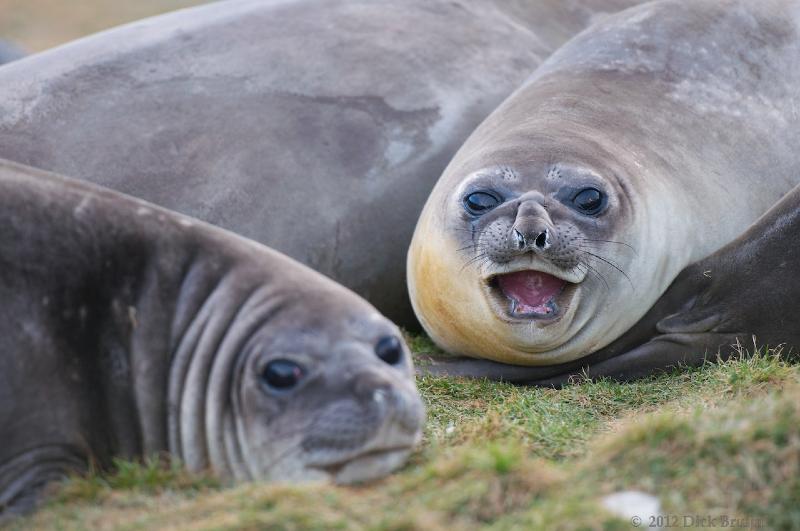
[[721, 440]]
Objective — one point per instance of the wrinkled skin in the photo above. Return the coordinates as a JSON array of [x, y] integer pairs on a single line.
[[739, 297], [679, 116], [127, 330], [317, 128]]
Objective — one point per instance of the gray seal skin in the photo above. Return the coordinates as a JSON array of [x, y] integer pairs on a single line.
[[317, 128], [743, 295], [128, 330], [644, 144], [9, 52]]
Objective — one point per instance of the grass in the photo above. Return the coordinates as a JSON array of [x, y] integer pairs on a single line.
[[719, 441]]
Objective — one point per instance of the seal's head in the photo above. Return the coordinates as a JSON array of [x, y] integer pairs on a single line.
[[524, 260], [309, 382], [329, 399]]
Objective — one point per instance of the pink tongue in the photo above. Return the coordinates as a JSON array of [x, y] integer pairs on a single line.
[[531, 290]]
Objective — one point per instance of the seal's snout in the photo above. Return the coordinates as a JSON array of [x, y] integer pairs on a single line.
[[532, 271], [532, 229], [372, 387], [389, 399], [541, 242], [369, 431]]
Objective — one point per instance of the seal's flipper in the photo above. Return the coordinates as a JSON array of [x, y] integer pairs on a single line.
[[689, 323], [661, 354], [431, 365]]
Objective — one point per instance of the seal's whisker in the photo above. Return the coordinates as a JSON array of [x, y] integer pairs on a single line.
[[610, 263], [477, 246], [611, 241], [473, 260], [590, 269]]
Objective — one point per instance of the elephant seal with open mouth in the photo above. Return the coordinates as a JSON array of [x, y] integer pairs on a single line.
[[128, 330], [740, 298], [644, 144], [315, 127]]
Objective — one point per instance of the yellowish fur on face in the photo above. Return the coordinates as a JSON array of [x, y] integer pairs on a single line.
[[448, 300]]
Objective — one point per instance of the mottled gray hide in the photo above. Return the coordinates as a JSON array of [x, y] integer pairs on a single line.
[[317, 128], [127, 330]]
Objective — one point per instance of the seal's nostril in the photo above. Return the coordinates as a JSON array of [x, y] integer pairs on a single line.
[[541, 240], [520, 239], [379, 396]]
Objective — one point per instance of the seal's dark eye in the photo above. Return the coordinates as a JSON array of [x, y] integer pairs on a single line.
[[282, 374], [478, 203], [588, 200], [390, 350]]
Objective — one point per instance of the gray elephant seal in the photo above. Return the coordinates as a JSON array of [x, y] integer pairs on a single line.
[[9, 52], [317, 128], [720, 305], [128, 330], [644, 144]]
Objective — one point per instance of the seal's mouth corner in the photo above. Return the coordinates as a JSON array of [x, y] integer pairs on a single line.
[[529, 294]]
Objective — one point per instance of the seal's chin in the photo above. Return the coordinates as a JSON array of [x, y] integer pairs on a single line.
[[530, 294]]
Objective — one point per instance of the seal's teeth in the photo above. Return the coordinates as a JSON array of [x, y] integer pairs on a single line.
[[548, 309]]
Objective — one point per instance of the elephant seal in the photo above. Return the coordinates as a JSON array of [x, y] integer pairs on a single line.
[[644, 144], [721, 305], [9, 52], [128, 330], [317, 128]]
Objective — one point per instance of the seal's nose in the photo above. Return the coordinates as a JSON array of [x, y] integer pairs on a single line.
[[542, 240], [532, 229], [372, 386], [384, 397]]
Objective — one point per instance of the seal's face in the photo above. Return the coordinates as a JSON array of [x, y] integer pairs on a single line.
[[327, 402], [526, 262]]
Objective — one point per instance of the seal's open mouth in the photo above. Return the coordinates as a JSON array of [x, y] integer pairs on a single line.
[[530, 294]]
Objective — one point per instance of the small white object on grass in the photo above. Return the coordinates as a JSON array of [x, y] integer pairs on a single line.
[[635, 506]]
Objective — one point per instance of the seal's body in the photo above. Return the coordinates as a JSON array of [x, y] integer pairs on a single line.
[[128, 330], [317, 128], [646, 143]]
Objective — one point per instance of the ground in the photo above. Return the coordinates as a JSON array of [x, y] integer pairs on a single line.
[[718, 442], [722, 441]]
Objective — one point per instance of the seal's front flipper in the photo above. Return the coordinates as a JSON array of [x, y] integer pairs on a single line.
[[433, 365], [661, 354]]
